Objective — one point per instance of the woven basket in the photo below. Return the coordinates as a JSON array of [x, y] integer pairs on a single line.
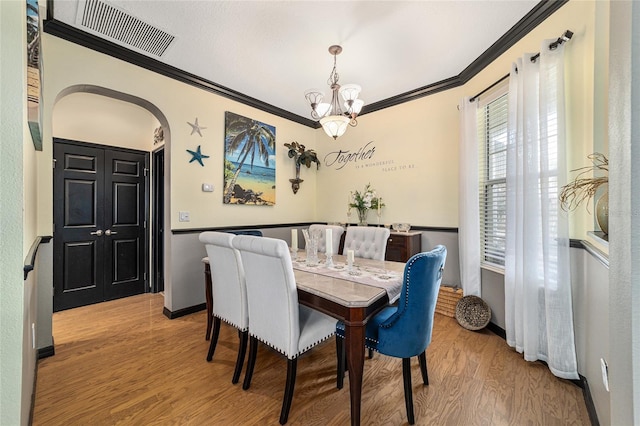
[[448, 298], [473, 313]]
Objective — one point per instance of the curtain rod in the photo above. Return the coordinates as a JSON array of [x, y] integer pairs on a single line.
[[566, 36]]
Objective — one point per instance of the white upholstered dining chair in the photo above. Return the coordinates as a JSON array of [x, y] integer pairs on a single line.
[[276, 317], [336, 231], [367, 242], [229, 293]]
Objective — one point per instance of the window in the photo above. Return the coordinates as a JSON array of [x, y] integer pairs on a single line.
[[492, 143]]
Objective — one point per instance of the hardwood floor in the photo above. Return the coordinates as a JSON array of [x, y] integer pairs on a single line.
[[124, 363]]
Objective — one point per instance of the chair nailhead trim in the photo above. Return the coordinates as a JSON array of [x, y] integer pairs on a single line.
[[297, 354], [231, 323], [366, 339], [407, 283]]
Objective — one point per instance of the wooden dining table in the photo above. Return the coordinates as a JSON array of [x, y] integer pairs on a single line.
[[352, 302]]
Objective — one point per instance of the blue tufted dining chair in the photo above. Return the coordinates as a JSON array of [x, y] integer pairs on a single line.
[[276, 317], [404, 331], [228, 291]]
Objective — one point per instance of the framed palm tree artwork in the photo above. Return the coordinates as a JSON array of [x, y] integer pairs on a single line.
[[249, 161]]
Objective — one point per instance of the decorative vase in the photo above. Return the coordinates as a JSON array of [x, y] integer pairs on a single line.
[[362, 217], [602, 212], [311, 240]]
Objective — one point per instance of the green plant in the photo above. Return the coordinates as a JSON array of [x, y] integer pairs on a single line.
[[584, 186], [366, 199], [302, 155]]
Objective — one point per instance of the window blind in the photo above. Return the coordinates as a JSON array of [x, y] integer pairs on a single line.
[[492, 168]]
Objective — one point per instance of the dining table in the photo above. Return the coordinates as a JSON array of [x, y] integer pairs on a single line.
[[351, 294]]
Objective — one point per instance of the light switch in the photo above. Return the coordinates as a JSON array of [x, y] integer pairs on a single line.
[[184, 217], [207, 187]]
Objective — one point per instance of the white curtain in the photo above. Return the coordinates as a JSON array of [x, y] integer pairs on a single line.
[[538, 310], [468, 210]]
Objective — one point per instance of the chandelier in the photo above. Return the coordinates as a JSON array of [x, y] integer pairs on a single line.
[[332, 118]]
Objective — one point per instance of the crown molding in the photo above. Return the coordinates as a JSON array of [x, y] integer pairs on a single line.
[[538, 14], [82, 38]]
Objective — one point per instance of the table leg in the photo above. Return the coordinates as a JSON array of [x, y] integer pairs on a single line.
[[354, 340]]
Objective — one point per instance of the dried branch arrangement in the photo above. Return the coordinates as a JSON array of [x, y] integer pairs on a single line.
[[584, 187]]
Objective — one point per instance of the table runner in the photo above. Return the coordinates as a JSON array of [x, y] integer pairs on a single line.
[[390, 281]]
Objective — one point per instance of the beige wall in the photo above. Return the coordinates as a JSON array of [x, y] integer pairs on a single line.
[[103, 120], [420, 138], [414, 167], [624, 198], [70, 65], [18, 203]]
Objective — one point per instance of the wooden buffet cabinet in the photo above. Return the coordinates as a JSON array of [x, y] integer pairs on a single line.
[[402, 245]]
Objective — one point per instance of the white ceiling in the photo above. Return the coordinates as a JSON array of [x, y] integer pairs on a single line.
[[275, 50]]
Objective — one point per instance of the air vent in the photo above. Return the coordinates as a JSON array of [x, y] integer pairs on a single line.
[[118, 25]]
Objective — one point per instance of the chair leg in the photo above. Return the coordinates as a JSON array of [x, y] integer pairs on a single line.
[[209, 324], [253, 352], [288, 390], [408, 394], [242, 349], [370, 353], [214, 338], [423, 367], [341, 355]]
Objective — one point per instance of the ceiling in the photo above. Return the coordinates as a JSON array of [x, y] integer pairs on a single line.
[[273, 51]]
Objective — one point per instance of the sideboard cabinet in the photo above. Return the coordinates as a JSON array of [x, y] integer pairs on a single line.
[[402, 245]]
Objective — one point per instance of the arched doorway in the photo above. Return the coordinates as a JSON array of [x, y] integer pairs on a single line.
[[110, 122]]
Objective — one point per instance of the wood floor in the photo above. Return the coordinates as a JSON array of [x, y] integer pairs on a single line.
[[124, 363]]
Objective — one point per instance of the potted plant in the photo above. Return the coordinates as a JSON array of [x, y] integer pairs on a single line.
[[301, 155], [363, 202], [584, 187]]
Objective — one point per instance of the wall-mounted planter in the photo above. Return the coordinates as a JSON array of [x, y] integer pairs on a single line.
[[301, 156]]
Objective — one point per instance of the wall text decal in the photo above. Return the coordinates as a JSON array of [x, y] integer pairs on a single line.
[[362, 158], [340, 158]]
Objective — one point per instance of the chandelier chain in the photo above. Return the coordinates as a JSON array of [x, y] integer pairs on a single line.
[[334, 76]]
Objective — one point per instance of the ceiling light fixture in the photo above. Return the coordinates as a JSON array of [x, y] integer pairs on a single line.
[[334, 121]]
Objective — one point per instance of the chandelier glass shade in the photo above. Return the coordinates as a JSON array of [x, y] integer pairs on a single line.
[[333, 119]]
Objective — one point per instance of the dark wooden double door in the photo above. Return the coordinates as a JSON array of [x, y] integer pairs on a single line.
[[100, 219]]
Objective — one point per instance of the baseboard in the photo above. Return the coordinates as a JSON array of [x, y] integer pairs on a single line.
[[46, 352], [588, 400], [498, 331], [185, 311]]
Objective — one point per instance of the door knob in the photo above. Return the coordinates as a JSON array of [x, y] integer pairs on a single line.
[[109, 232], [98, 233]]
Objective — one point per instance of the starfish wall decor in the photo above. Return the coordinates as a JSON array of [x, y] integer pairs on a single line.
[[196, 128], [197, 155]]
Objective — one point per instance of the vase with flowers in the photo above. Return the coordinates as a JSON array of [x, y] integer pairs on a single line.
[[584, 187], [363, 202]]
